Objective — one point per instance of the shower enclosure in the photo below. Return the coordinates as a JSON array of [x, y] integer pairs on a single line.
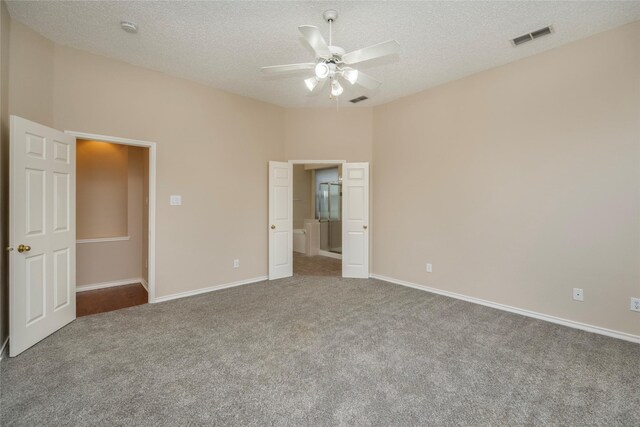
[[329, 203]]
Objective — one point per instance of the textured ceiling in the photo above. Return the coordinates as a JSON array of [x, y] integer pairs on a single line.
[[223, 44]]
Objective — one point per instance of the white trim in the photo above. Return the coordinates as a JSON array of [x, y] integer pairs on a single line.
[[114, 139], [210, 289], [552, 319], [103, 285], [329, 254], [144, 284], [104, 239], [4, 348], [152, 196], [316, 162]]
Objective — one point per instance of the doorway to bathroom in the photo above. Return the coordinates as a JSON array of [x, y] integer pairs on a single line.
[[317, 219], [348, 198]]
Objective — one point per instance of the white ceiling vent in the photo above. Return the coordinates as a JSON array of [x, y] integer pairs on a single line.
[[532, 35]]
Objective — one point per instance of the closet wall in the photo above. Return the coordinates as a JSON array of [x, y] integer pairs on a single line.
[[111, 204]]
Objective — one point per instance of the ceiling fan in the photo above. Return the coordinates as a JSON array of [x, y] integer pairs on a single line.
[[332, 63]]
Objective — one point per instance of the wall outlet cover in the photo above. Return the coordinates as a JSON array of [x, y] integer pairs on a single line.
[[175, 200], [635, 304], [578, 294], [236, 263], [429, 268]]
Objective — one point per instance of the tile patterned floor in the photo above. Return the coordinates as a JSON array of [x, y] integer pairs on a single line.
[[304, 265]]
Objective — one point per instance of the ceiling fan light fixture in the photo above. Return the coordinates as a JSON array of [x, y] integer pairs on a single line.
[[322, 70], [332, 63], [311, 83], [350, 75], [336, 88]]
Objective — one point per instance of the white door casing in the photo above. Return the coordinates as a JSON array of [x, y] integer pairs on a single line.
[[280, 220], [355, 220], [42, 278]]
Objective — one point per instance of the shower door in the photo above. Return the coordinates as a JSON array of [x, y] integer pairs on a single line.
[[335, 217], [329, 199]]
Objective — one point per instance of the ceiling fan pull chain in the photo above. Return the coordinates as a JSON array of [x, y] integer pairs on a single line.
[[330, 32]]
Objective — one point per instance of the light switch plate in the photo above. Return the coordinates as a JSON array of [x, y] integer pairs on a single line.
[[175, 200]]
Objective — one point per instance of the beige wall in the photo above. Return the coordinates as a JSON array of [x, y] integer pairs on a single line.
[[31, 70], [212, 148], [520, 183], [102, 174], [302, 195], [4, 169], [100, 262], [327, 134]]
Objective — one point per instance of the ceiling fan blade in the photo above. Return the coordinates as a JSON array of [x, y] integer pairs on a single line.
[[316, 41], [376, 51], [288, 68], [367, 82]]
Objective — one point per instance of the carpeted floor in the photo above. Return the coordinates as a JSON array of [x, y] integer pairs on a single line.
[[320, 351]]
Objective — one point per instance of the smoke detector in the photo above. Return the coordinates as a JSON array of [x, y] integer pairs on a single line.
[[129, 27]]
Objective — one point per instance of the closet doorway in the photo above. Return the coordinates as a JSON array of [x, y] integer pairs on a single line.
[[113, 204]]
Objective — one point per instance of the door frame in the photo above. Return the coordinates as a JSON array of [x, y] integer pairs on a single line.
[[151, 264], [321, 162]]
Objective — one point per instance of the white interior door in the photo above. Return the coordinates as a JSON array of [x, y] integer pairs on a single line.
[[280, 220], [42, 232], [355, 220]]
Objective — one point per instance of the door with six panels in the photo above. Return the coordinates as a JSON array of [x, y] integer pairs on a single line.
[[42, 235]]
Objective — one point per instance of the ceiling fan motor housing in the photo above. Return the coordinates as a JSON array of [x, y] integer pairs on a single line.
[[337, 52]]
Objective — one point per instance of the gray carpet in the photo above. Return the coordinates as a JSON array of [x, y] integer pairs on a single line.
[[320, 351]]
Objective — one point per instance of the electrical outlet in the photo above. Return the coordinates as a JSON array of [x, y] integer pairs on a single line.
[[429, 268], [578, 294], [236, 263], [635, 304]]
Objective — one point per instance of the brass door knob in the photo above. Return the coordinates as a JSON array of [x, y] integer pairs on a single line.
[[364, 226], [273, 227], [24, 248]]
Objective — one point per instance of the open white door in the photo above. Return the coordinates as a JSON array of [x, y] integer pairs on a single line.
[[42, 233], [355, 220], [280, 220]]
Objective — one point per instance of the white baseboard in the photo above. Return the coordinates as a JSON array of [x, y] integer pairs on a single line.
[[4, 348], [145, 285], [560, 321], [210, 289], [329, 254], [103, 285]]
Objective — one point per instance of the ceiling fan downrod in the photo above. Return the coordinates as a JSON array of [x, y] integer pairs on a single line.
[[330, 15]]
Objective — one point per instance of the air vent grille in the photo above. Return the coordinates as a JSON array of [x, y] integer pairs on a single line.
[[532, 35], [358, 99]]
